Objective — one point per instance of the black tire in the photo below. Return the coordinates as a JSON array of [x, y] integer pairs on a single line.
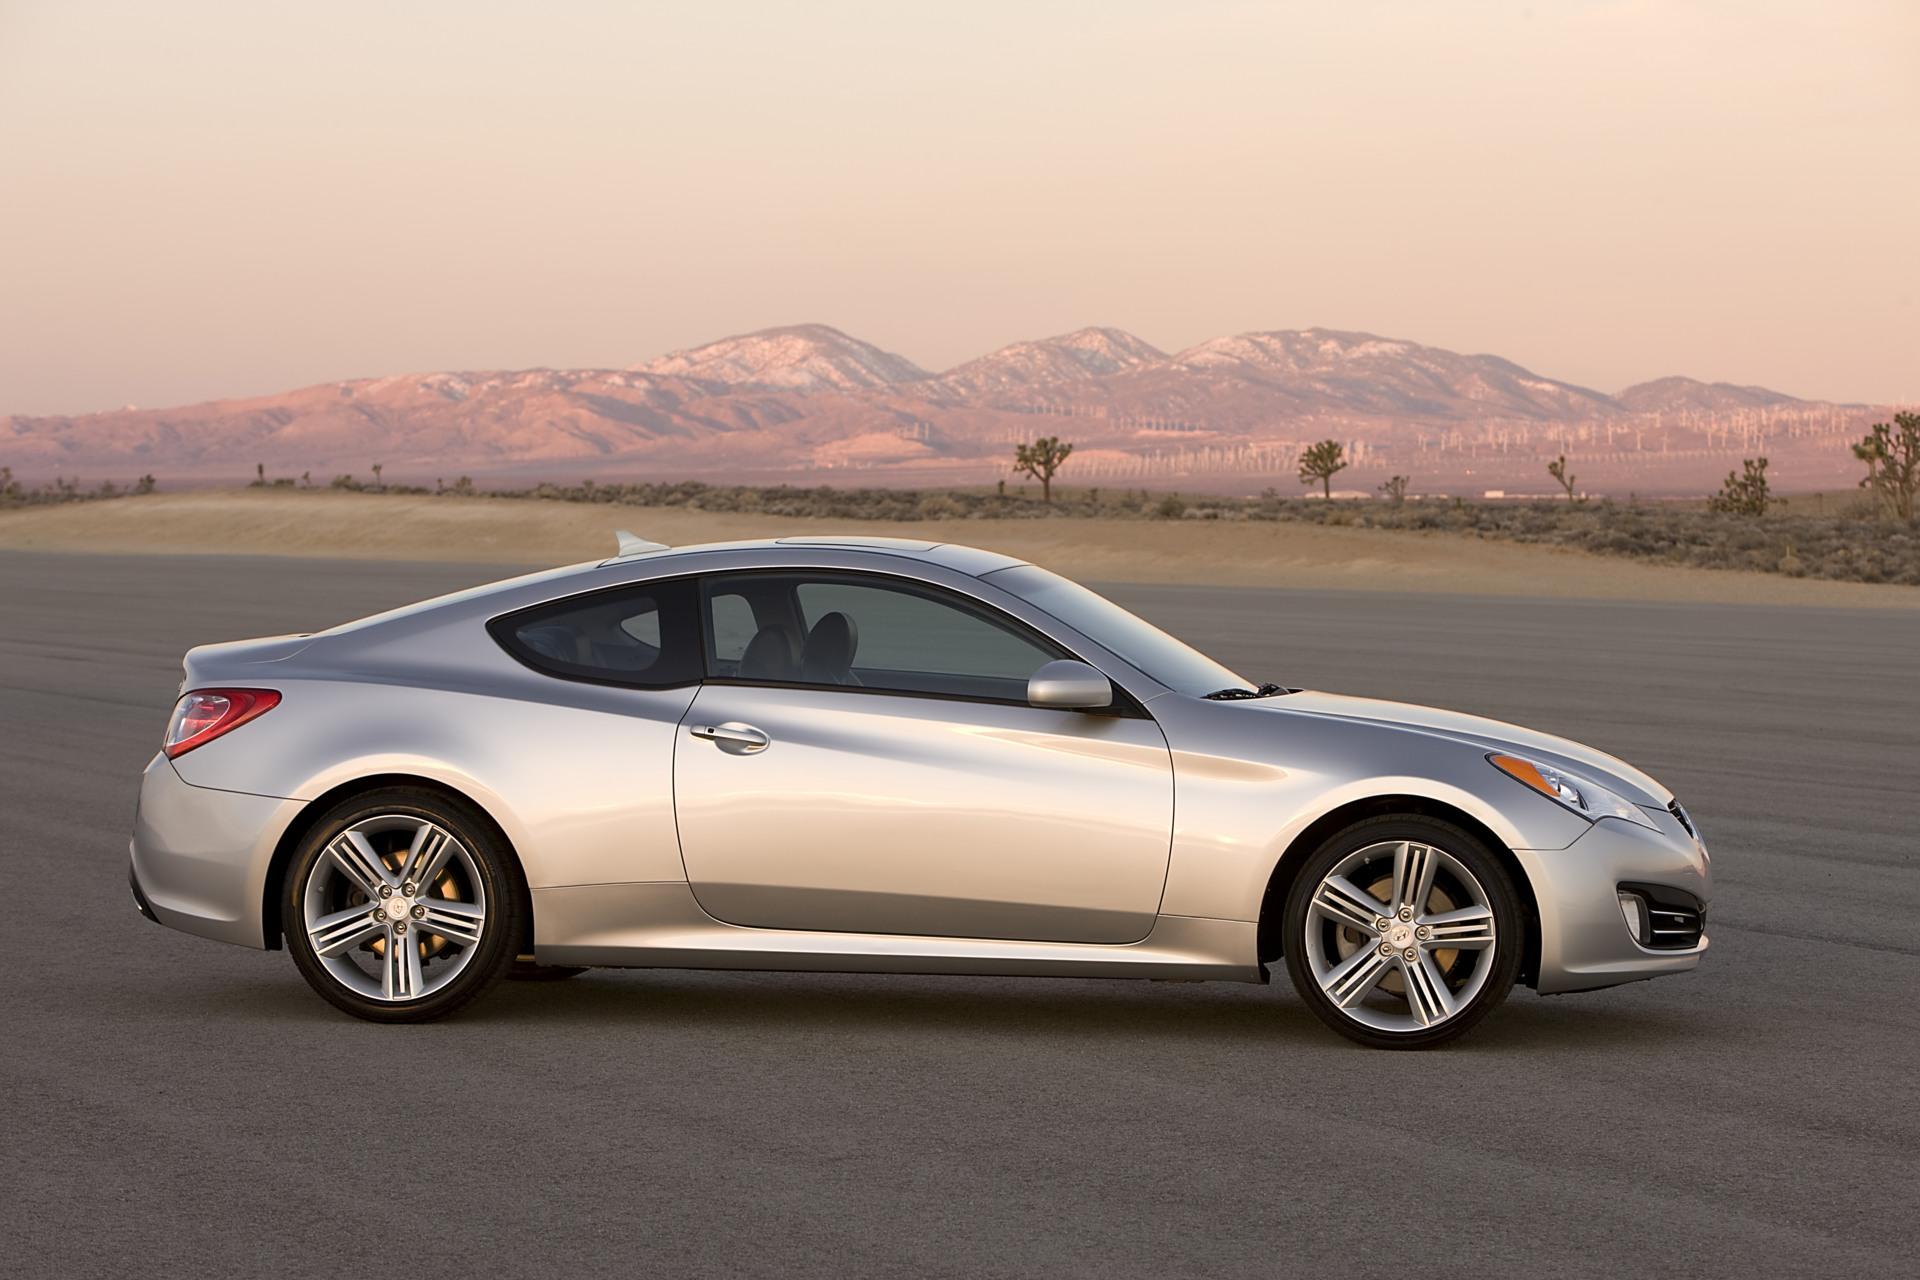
[[533, 971], [1473, 854], [499, 940]]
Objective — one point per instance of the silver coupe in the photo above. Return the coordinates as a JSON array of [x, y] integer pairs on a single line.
[[877, 755]]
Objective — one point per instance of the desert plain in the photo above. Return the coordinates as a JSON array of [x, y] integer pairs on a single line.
[[530, 532]]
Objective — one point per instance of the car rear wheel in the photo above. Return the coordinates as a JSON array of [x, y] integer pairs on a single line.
[[401, 906], [1402, 932]]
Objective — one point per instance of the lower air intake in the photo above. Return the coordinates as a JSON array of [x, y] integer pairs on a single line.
[[1674, 919]]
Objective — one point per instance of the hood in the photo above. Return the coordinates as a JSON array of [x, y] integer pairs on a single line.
[[1478, 731]]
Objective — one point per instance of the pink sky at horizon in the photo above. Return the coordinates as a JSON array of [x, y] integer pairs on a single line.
[[206, 200]]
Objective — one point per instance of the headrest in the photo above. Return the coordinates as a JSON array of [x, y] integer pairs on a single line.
[[830, 648], [769, 655]]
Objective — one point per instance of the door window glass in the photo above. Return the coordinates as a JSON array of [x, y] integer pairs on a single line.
[[733, 625], [874, 633]]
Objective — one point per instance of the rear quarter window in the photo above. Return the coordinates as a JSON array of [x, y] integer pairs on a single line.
[[647, 636]]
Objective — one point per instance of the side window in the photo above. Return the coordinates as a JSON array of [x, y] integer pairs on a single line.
[[647, 636], [644, 627], [875, 633], [733, 626]]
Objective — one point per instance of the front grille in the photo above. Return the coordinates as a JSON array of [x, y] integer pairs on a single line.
[[1675, 919], [1680, 816]]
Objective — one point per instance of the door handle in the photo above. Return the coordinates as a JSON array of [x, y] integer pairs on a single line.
[[733, 737]]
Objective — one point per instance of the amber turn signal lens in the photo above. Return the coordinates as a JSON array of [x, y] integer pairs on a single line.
[[1525, 772]]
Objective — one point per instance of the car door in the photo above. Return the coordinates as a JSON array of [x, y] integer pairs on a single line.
[[862, 759]]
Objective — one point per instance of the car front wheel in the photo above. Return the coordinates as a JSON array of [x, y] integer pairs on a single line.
[[400, 906], [1403, 932]]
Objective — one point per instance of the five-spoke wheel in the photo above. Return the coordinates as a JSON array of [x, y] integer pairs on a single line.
[[1402, 932], [399, 906]]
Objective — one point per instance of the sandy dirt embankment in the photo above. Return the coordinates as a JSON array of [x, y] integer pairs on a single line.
[[526, 532]]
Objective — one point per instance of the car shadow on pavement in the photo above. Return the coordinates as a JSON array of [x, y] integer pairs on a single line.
[[884, 1005], [887, 1005]]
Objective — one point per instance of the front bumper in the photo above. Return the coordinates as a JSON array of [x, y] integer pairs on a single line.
[[200, 857], [1584, 942]]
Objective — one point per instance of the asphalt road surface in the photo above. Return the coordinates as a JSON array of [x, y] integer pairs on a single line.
[[173, 1106]]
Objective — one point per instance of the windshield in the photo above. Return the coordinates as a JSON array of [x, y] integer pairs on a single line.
[[1146, 646]]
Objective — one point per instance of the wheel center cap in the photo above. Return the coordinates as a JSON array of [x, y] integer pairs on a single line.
[[1401, 936], [396, 907]]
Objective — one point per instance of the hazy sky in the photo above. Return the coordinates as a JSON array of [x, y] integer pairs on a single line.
[[204, 199]]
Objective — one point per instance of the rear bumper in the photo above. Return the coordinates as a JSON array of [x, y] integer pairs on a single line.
[[200, 857], [1584, 941], [140, 902]]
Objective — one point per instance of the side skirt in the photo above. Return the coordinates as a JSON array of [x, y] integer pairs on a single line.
[[661, 926]]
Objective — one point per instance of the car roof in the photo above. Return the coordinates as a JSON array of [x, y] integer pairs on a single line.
[[950, 555], [661, 560]]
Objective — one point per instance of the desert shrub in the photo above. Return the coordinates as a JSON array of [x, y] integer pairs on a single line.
[[62, 489]]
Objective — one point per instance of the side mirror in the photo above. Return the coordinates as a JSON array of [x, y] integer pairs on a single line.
[[1069, 686]]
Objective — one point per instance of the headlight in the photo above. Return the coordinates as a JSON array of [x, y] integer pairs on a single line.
[[1588, 799]]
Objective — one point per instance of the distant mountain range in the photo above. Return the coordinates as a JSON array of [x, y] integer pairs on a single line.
[[808, 403]]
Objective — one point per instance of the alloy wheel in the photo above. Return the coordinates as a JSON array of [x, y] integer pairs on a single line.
[[395, 908], [1400, 936]]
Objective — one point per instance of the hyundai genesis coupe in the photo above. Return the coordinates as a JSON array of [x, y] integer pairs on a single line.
[[878, 755]]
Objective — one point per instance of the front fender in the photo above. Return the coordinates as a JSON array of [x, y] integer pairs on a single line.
[[1222, 869], [1240, 806]]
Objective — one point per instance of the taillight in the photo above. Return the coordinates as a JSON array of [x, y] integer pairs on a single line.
[[204, 714]]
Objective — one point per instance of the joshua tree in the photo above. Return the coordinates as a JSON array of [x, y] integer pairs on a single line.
[[1040, 460], [259, 475], [1319, 462], [1558, 470], [1892, 455], [377, 469], [1395, 488], [146, 484], [1744, 495]]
